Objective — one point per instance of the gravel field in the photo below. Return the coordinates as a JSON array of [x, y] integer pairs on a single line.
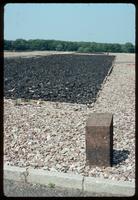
[[51, 135], [63, 78]]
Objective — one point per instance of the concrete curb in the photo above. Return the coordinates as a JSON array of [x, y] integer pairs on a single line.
[[14, 173], [58, 179], [65, 180]]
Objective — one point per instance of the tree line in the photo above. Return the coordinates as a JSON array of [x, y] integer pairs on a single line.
[[57, 45]]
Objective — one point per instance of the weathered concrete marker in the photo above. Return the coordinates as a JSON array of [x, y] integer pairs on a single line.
[[99, 139]]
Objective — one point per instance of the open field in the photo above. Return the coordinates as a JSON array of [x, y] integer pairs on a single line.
[[51, 134]]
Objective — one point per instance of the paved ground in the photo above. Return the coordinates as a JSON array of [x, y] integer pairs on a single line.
[[18, 189]]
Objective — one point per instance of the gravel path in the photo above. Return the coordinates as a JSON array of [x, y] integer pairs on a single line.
[[51, 135]]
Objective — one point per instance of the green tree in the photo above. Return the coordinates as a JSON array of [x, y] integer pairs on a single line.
[[80, 49], [20, 45], [8, 45], [116, 48], [87, 50], [129, 47], [59, 47], [52, 45]]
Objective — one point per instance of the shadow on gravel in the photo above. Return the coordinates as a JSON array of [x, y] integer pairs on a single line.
[[120, 156], [68, 78]]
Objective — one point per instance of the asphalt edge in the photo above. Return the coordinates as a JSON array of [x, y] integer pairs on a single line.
[[66, 180]]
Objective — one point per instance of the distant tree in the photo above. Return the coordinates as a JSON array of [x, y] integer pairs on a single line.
[[8, 45], [95, 47], [109, 47], [116, 48], [80, 49], [20, 45], [129, 47], [59, 47], [65, 46], [87, 50]]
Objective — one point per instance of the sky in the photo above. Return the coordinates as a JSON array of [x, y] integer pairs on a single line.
[[103, 23]]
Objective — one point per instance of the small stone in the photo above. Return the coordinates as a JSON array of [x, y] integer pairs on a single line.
[[45, 168], [58, 166], [48, 137], [65, 150], [129, 167], [53, 169], [47, 158], [40, 163]]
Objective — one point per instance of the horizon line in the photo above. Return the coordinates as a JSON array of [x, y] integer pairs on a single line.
[[71, 41]]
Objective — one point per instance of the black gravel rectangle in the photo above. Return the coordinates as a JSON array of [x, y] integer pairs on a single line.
[[64, 77]]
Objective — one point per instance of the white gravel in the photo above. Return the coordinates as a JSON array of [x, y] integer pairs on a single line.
[[51, 135], [34, 53]]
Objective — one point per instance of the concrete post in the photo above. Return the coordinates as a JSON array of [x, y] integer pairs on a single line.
[[99, 139]]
